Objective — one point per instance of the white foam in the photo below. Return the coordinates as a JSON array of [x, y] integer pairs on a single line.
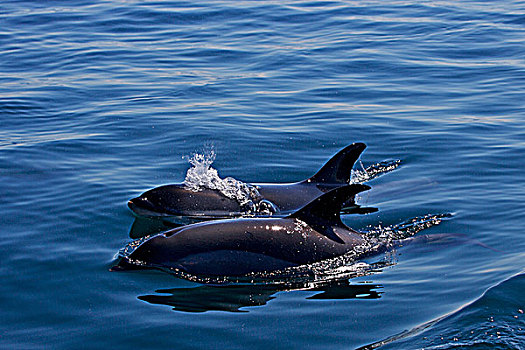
[[373, 171], [201, 175]]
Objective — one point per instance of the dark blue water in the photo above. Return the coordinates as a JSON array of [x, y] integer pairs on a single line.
[[100, 101]]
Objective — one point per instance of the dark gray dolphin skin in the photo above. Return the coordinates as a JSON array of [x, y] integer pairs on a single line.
[[234, 247], [279, 200]]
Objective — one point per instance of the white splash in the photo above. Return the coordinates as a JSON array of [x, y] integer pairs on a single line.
[[201, 175], [373, 171]]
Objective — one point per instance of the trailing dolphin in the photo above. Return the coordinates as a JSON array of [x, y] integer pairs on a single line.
[[190, 205], [236, 247]]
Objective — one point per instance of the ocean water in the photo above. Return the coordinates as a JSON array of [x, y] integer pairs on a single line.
[[102, 100]]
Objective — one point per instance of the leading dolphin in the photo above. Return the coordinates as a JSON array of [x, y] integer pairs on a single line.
[[178, 201], [236, 247]]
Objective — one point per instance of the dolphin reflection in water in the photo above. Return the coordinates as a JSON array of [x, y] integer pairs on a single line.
[[236, 298]]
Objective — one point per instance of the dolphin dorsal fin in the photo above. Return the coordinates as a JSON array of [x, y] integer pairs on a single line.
[[323, 213], [338, 168]]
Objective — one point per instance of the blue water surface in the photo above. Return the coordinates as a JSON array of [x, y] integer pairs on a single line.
[[101, 100]]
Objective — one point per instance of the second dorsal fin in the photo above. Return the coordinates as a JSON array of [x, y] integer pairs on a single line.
[[338, 168], [323, 213]]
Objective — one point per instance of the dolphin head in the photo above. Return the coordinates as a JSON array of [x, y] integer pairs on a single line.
[[155, 202], [178, 200], [155, 252]]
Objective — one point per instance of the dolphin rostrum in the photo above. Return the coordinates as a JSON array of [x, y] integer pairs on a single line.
[[187, 205], [234, 247]]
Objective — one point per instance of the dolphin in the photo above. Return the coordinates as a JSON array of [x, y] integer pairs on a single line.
[[235, 247], [186, 205]]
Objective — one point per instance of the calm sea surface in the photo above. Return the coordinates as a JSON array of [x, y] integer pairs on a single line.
[[101, 100]]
